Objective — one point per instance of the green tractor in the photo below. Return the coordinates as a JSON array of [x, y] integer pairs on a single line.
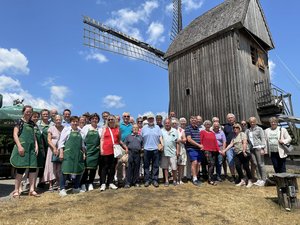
[[8, 117]]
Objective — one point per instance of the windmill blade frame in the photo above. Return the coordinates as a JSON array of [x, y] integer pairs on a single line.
[[177, 19], [99, 36]]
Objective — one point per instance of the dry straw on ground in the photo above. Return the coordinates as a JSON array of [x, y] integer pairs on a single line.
[[184, 204]]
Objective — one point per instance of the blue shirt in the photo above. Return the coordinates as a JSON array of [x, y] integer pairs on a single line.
[[125, 130], [229, 133], [195, 135], [151, 135], [170, 139]]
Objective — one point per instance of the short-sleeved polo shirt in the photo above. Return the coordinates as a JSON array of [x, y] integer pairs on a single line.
[[195, 135], [151, 135], [125, 130], [170, 139]]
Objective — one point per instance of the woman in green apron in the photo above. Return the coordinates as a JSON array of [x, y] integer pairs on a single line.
[[43, 126], [24, 154], [72, 154], [91, 134]]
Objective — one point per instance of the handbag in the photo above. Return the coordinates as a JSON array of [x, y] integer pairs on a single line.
[[286, 147], [55, 158], [118, 150]]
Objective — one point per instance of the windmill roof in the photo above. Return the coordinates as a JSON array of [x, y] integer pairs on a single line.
[[228, 15]]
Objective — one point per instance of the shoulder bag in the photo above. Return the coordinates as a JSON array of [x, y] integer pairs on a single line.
[[118, 150], [286, 147]]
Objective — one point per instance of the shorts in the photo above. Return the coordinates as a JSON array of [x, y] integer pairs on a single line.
[[167, 161], [195, 154]]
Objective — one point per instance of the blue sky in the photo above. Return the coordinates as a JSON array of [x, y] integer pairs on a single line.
[[43, 60]]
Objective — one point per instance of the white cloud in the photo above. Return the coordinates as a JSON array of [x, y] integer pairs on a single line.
[[113, 101], [272, 66], [169, 8], [126, 19], [13, 62], [155, 32], [59, 92], [190, 5], [163, 114], [7, 83], [96, 56], [12, 90], [48, 81]]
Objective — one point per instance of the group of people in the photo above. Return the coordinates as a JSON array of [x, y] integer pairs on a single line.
[[59, 149]]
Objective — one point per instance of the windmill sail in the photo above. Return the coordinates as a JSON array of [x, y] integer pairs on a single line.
[[177, 19], [100, 36]]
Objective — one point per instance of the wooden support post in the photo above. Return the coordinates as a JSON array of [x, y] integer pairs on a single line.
[[287, 189]]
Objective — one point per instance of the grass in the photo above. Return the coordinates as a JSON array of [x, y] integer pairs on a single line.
[[184, 204]]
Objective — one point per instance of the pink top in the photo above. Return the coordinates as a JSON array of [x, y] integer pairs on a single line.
[[209, 141]]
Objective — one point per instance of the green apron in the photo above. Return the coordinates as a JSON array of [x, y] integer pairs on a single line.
[[92, 142], [29, 160], [73, 156], [45, 137], [41, 155]]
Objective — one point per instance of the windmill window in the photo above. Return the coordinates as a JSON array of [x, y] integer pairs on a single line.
[[188, 91], [257, 58]]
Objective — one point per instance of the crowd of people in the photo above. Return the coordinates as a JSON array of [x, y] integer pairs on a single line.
[[58, 150]]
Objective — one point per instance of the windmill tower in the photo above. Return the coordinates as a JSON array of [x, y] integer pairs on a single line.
[[217, 64]]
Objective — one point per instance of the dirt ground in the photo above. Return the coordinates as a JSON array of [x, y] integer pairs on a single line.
[[183, 204]]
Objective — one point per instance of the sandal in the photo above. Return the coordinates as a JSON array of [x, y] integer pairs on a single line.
[[34, 194], [212, 183], [15, 194]]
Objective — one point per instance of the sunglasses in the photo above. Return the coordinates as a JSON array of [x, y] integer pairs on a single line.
[[236, 128], [126, 116], [140, 121], [110, 120]]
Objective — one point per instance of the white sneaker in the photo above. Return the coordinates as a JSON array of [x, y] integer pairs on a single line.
[[76, 190], [62, 193], [261, 183], [112, 186], [257, 182], [180, 182], [242, 183], [103, 187], [250, 184], [90, 187], [83, 188]]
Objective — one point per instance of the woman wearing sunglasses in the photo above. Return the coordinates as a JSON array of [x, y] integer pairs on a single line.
[[110, 135], [242, 155]]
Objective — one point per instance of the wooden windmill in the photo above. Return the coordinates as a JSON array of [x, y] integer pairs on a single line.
[[217, 64]]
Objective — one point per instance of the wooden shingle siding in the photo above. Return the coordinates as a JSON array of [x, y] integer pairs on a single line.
[[210, 72], [212, 58], [256, 23]]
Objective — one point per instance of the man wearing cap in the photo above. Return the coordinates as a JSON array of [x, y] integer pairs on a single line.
[[152, 139]]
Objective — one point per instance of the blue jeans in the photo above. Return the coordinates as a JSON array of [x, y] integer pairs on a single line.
[[230, 157], [63, 177], [278, 163], [151, 157]]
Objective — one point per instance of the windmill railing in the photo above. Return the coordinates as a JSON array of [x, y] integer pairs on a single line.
[[271, 95]]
